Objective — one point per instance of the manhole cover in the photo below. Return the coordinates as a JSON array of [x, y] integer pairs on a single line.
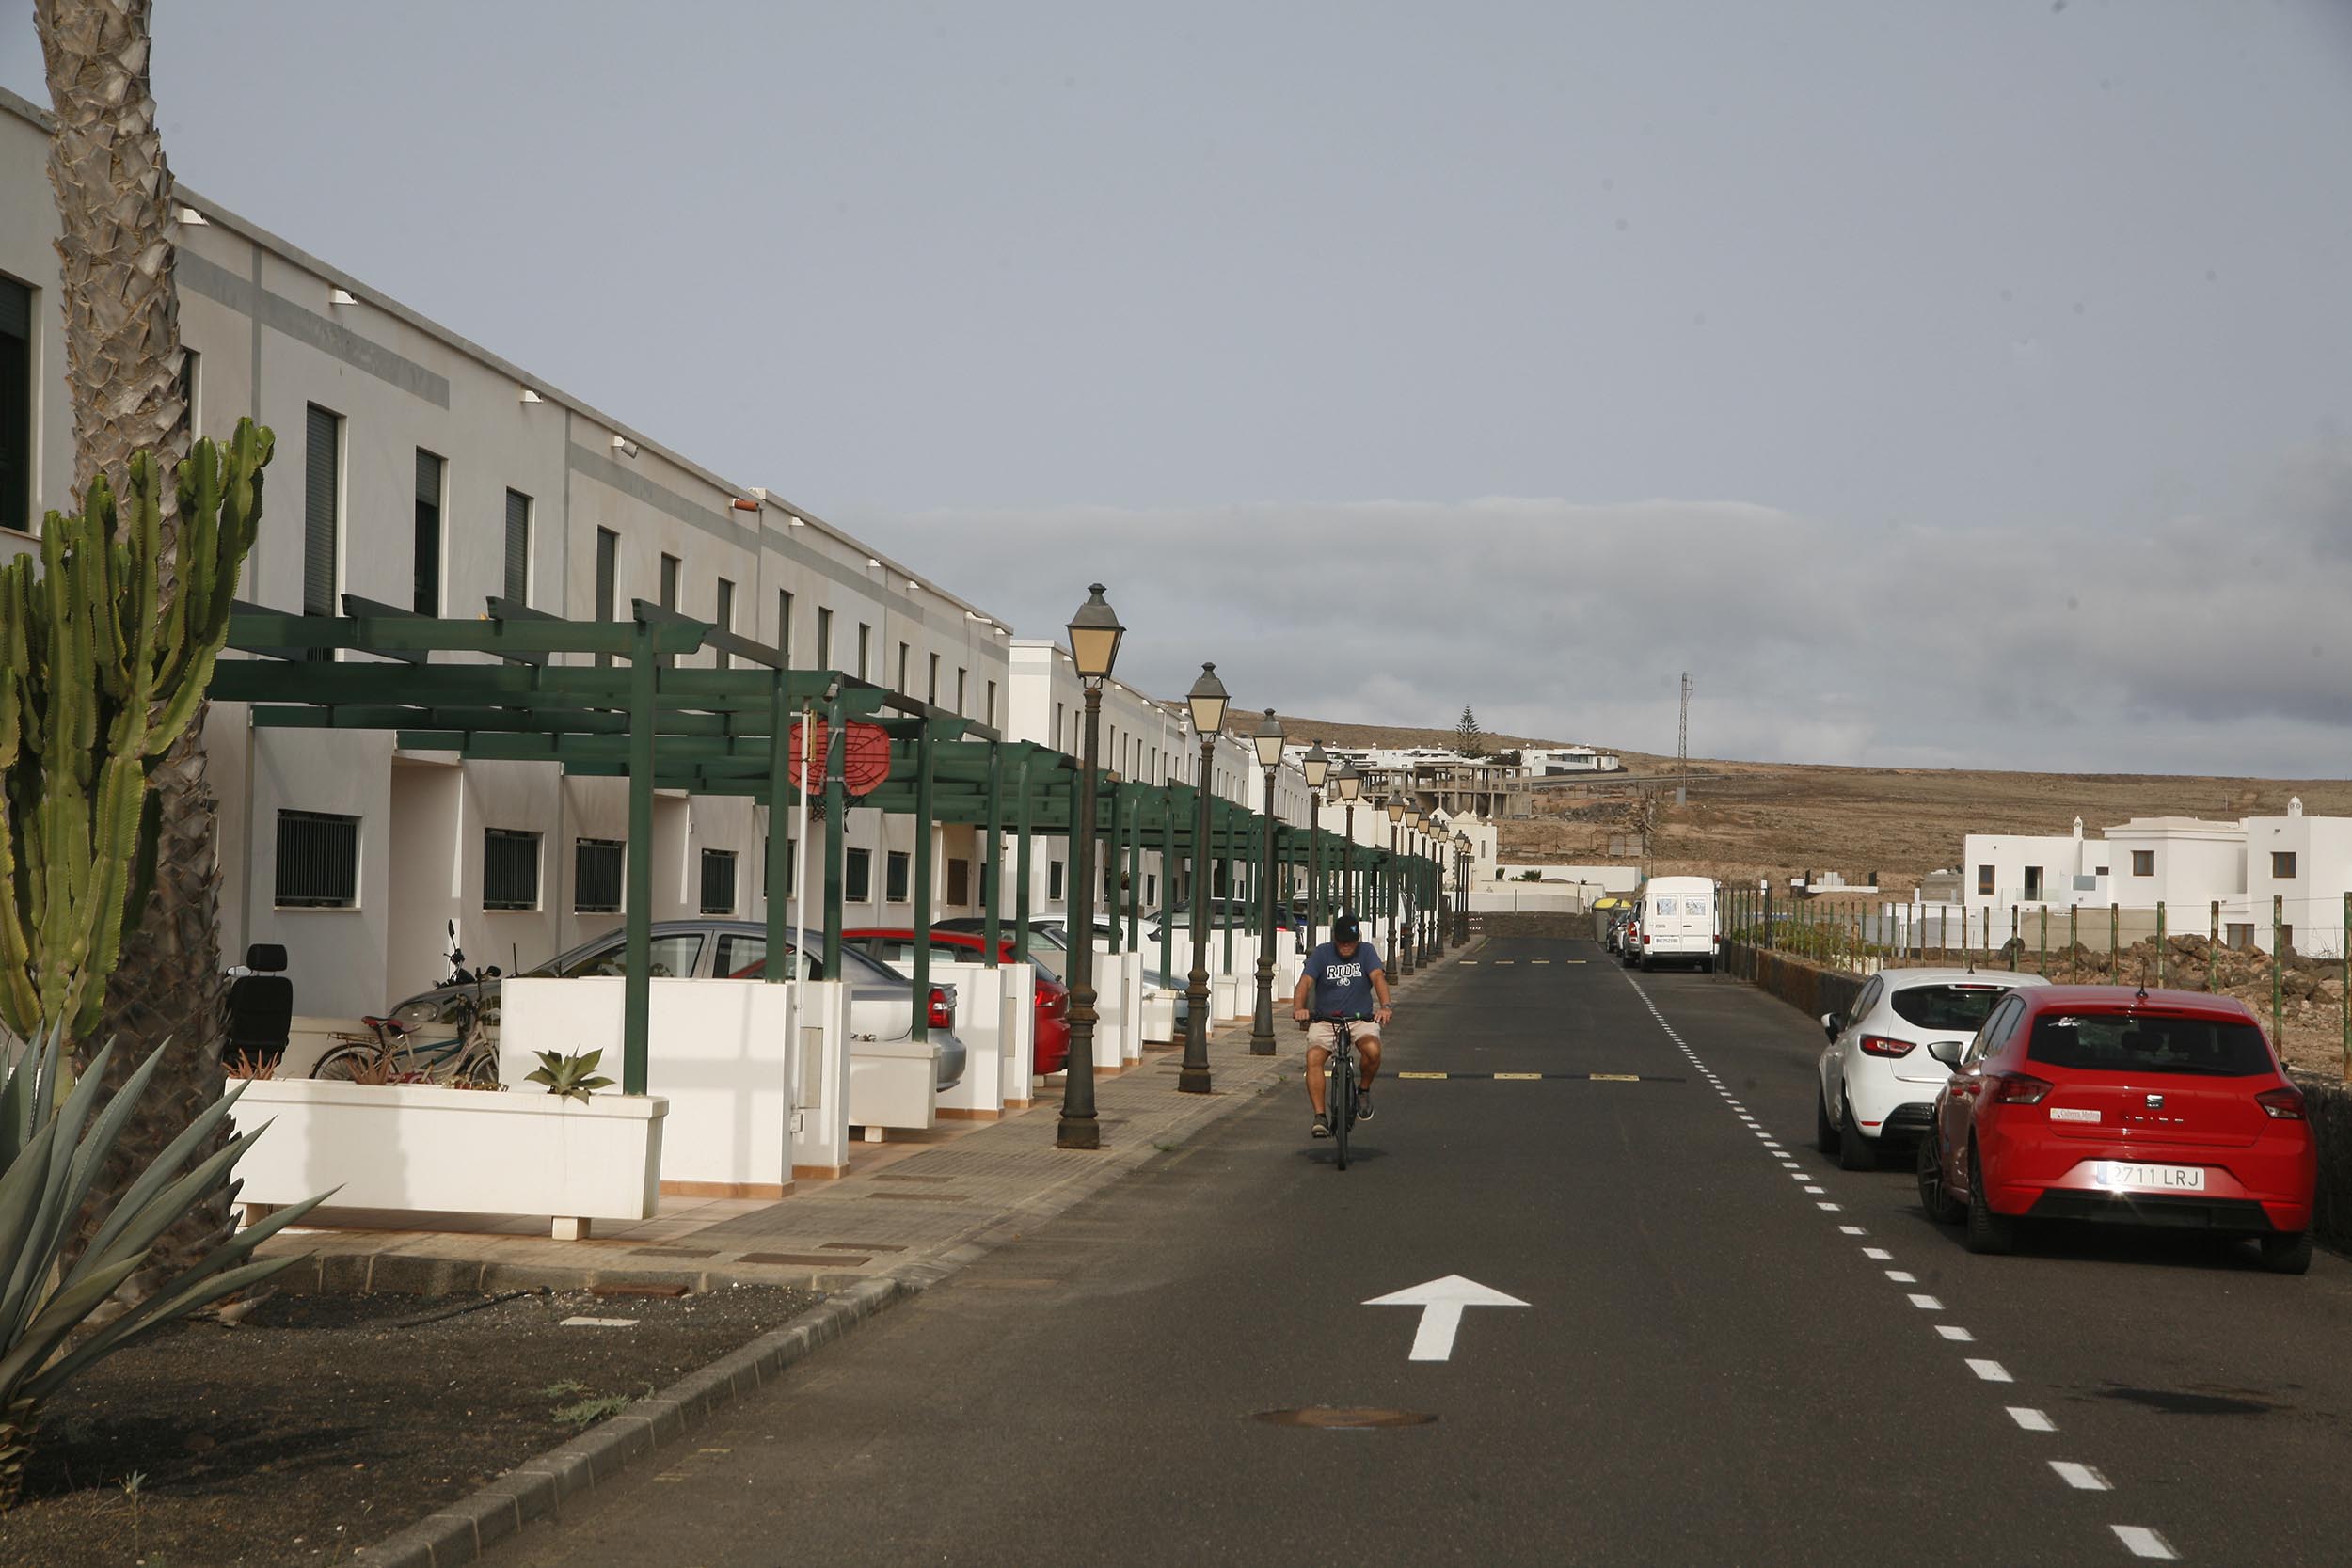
[[1343, 1417]]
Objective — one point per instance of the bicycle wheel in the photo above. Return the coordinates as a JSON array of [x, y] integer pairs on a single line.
[[1342, 1101], [342, 1065]]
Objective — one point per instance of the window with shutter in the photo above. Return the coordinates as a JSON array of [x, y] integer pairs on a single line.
[[517, 586], [897, 879], [718, 882], [724, 617], [669, 581], [596, 876], [783, 623], [322, 495], [857, 874], [608, 577], [16, 405], [318, 861], [427, 597], [510, 869]]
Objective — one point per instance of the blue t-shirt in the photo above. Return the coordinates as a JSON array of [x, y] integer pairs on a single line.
[[1342, 985]]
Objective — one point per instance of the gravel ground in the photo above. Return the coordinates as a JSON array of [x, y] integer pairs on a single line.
[[323, 1423]]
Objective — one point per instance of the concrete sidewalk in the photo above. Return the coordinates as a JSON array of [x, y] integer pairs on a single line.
[[904, 1210]]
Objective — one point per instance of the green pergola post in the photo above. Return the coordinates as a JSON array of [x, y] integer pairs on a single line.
[[780, 774], [1106, 856], [1225, 863], [992, 848], [922, 884], [836, 834], [1168, 883], [1134, 872], [1023, 843], [637, 898]]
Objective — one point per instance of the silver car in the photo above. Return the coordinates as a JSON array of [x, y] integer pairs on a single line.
[[881, 1001]]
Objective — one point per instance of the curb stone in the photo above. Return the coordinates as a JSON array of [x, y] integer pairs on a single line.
[[537, 1488]]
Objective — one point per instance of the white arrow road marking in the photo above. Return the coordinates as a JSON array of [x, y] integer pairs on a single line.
[[1442, 1301]]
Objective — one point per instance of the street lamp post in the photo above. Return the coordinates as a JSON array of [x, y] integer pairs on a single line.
[[1268, 740], [1317, 767], [1461, 889], [1351, 784], [1094, 634], [1401, 951], [1207, 701]]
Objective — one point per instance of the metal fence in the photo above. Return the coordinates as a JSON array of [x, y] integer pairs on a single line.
[[2078, 945]]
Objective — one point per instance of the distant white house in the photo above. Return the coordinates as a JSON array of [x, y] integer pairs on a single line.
[[1545, 762], [2203, 873]]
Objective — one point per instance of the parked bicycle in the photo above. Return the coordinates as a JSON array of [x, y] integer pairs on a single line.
[[391, 1053]]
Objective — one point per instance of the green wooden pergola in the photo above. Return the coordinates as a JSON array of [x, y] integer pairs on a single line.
[[635, 714]]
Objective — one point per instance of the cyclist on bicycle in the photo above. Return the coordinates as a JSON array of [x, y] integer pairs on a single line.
[[1342, 979]]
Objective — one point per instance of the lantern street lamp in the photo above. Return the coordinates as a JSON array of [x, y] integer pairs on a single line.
[[1317, 767], [1094, 634], [1207, 701], [1268, 741], [1414, 913], [1350, 785]]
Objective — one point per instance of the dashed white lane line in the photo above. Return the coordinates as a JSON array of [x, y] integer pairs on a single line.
[[2140, 1540], [1815, 1189]]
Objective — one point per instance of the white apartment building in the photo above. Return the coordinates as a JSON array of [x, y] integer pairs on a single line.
[[2203, 873], [419, 469]]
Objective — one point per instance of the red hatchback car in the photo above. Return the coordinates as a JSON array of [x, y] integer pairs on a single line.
[[894, 945], [2144, 1107]]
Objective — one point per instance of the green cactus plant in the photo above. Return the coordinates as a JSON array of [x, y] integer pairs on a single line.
[[99, 671], [51, 1151]]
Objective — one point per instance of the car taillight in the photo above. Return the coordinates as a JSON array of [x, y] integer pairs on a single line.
[[2284, 1104], [941, 1015], [1056, 1003], [1646, 939], [2018, 1088], [1879, 1045]]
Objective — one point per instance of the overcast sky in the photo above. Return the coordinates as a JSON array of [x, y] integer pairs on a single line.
[[1938, 384]]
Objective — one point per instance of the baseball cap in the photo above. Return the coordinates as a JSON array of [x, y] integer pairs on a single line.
[[1345, 928]]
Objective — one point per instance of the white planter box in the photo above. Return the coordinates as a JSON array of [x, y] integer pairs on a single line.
[[894, 1084], [1159, 1017], [415, 1146]]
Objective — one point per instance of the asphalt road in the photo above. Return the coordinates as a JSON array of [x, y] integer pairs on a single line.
[[1715, 1366]]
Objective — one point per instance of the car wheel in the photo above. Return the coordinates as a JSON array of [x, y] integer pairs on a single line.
[[1824, 1130], [2287, 1254], [1941, 1207], [1989, 1233], [1854, 1151], [1706, 966]]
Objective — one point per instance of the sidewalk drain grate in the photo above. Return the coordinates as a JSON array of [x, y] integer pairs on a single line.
[[673, 1252], [900, 1175], [1344, 1418], [804, 1260], [862, 1246]]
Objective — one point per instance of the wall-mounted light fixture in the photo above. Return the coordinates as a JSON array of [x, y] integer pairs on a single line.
[[341, 297], [191, 218], [626, 447], [742, 505]]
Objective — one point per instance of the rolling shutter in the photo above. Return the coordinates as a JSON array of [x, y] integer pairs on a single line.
[[518, 586], [321, 459]]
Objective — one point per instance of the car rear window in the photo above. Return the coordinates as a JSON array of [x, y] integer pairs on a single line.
[[1962, 1009], [2149, 1042]]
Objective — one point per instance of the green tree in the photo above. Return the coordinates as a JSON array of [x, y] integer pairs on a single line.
[[1469, 738], [116, 250]]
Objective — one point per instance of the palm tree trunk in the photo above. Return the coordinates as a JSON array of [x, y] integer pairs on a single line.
[[115, 213]]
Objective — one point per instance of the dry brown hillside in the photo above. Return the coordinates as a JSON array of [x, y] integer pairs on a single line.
[[1753, 818]]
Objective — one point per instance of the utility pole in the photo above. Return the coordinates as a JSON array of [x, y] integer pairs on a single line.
[[1682, 747]]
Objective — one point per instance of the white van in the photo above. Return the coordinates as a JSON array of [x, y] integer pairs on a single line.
[[1677, 923]]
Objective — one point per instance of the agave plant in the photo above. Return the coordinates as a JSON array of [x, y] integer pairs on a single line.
[[51, 1146], [571, 1077]]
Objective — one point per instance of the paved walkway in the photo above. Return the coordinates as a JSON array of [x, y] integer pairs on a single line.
[[907, 1209]]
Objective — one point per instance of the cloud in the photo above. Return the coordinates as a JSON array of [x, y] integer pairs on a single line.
[[2190, 644]]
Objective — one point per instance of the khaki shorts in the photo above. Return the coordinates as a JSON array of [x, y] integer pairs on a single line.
[[1323, 1037]]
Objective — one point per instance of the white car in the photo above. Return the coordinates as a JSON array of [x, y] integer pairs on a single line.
[[1887, 1058]]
